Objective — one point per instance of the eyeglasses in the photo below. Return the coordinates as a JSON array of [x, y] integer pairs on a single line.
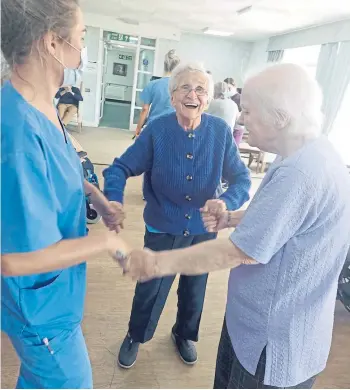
[[186, 89]]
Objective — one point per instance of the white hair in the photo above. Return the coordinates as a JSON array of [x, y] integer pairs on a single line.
[[191, 67], [286, 93]]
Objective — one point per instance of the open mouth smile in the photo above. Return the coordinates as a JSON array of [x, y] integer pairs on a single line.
[[191, 105]]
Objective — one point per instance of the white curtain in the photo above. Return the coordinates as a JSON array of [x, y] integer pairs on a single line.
[[275, 56], [333, 75]]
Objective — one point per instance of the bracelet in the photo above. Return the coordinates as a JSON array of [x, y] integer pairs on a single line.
[[229, 220]]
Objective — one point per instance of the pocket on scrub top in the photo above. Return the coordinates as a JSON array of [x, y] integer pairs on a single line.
[[59, 301]]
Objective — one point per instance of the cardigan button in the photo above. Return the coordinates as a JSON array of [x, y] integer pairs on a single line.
[[189, 156], [187, 216], [187, 197], [191, 135], [189, 177], [186, 233]]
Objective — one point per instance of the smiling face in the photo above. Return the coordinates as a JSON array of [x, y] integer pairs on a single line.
[[191, 95]]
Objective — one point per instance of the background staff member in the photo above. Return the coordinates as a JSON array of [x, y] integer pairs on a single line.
[[68, 104], [155, 96]]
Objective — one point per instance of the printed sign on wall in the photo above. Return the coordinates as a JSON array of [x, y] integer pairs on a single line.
[[125, 57]]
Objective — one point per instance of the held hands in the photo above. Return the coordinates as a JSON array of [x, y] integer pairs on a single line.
[[214, 215], [113, 216], [139, 264]]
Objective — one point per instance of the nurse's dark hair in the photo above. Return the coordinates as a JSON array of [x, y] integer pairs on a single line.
[[25, 22]]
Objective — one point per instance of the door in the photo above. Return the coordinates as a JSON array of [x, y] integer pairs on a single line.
[[144, 70]]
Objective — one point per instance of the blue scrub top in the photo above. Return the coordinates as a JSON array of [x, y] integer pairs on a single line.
[[157, 94], [42, 203]]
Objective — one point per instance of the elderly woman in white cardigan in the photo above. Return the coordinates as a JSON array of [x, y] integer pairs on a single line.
[[288, 247]]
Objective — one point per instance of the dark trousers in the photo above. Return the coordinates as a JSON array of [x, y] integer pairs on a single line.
[[150, 297], [230, 374]]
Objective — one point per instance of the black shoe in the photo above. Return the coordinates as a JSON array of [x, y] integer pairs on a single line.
[[128, 352], [185, 348]]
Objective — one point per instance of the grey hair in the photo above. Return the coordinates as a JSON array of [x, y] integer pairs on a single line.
[[191, 67], [25, 22], [171, 61], [287, 93], [220, 90]]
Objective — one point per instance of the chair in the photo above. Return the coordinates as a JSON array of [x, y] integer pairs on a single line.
[[78, 117], [253, 154]]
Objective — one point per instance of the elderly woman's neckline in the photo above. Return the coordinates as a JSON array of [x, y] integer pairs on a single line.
[[189, 125]]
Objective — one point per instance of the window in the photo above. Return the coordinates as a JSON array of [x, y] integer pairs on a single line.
[[340, 134], [304, 56]]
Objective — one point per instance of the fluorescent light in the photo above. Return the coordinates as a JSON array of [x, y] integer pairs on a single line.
[[244, 10], [121, 46], [217, 32]]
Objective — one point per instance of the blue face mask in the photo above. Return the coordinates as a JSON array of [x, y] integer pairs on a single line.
[[73, 76]]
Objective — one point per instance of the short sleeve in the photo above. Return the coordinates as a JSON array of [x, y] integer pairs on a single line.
[[282, 208], [28, 207], [146, 94]]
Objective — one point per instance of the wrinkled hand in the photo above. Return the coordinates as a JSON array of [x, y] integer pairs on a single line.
[[214, 215], [141, 265], [116, 246], [113, 216], [215, 206], [215, 222]]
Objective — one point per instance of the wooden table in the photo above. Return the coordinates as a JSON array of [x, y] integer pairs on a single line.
[[252, 153]]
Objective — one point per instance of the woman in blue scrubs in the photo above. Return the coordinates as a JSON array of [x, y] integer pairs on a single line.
[[43, 215]]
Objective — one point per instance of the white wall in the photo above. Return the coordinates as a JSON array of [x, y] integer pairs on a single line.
[[223, 57], [258, 58]]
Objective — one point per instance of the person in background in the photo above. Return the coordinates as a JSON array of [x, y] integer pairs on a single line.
[[155, 97], [235, 96], [288, 248], [222, 106], [44, 242], [183, 154], [68, 103]]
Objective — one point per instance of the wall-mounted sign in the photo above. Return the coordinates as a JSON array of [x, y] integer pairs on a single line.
[[120, 69], [125, 57], [119, 37]]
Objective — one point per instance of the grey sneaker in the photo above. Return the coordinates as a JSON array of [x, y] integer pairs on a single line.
[[185, 348], [128, 352]]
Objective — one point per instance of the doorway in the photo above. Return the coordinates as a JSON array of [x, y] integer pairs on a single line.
[[117, 84], [128, 65]]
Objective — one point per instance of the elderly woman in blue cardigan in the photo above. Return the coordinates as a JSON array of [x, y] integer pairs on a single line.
[[183, 156]]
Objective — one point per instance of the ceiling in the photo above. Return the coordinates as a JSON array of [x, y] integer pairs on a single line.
[[266, 17]]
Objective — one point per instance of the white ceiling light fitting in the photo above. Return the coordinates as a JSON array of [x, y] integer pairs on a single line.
[[210, 31], [244, 10], [129, 21]]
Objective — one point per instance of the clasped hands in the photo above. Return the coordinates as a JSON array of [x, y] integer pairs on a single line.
[[142, 264]]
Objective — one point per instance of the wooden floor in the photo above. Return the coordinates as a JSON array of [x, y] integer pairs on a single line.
[[109, 300]]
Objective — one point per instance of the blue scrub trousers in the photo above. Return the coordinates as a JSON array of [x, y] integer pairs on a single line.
[[64, 364]]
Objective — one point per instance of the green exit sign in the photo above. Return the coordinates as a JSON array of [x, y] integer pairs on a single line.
[[119, 37]]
